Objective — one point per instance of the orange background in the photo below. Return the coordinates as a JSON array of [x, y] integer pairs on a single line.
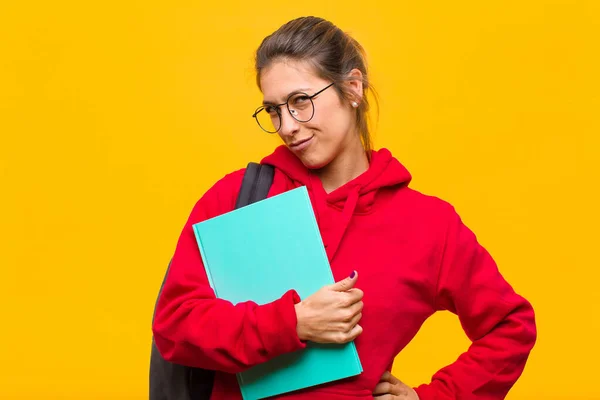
[[117, 116]]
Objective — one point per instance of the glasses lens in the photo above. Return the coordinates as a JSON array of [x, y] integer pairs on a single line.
[[268, 119], [301, 107]]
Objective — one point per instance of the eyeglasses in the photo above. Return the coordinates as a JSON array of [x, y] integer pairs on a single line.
[[299, 104]]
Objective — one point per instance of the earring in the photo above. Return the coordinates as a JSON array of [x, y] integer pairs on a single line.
[[354, 104]]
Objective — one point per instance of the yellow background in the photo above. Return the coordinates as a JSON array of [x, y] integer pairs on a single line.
[[116, 116]]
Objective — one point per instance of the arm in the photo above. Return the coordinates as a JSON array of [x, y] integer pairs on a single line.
[[194, 328], [499, 322]]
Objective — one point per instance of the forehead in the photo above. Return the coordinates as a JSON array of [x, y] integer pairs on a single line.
[[283, 77]]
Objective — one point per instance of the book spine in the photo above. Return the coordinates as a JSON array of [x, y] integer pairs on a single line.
[[204, 259]]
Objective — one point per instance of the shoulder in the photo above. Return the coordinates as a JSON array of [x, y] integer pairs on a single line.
[[432, 216], [405, 197], [228, 185], [427, 204], [221, 196], [441, 218], [434, 222]]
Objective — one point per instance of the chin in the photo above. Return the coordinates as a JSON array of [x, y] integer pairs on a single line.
[[314, 161]]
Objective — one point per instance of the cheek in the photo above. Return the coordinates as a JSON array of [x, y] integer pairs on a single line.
[[333, 123], [331, 134]]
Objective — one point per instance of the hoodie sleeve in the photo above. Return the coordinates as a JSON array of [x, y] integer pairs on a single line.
[[191, 327], [499, 322]]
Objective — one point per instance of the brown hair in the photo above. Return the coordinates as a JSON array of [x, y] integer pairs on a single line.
[[332, 52]]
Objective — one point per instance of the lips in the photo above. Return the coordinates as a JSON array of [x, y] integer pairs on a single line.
[[300, 142]]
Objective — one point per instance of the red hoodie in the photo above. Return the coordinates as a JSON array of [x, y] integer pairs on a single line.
[[414, 256]]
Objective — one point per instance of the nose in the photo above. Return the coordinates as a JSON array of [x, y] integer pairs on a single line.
[[289, 125]]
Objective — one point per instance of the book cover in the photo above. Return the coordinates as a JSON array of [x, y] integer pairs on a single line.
[[259, 252]]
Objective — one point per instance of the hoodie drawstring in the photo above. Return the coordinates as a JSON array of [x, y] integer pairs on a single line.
[[347, 213]]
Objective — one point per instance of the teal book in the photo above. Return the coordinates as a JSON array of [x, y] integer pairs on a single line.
[[258, 253]]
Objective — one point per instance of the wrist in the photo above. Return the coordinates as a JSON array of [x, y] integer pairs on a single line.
[[299, 307]]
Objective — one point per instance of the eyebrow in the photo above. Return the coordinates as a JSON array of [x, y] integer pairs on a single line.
[[268, 102]]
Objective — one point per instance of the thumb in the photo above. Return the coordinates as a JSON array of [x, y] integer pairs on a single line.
[[346, 283]]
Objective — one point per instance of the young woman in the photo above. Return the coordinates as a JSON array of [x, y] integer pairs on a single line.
[[398, 255]]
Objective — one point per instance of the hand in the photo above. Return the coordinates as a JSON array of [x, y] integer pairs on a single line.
[[391, 388], [331, 314]]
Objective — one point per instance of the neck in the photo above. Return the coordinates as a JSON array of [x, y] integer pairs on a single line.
[[349, 164]]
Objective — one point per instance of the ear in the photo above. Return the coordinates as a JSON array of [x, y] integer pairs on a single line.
[[355, 85]]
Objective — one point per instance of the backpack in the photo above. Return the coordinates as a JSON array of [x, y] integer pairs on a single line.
[[170, 381]]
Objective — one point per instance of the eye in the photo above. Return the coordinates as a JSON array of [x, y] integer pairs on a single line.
[[300, 100], [272, 111]]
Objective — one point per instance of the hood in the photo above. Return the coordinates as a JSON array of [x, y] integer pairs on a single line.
[[354, 197], [384, 171]]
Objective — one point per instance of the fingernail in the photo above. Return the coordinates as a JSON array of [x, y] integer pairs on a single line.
[[353, 274]]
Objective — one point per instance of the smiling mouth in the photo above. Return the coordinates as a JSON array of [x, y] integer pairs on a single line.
[[298, 143]]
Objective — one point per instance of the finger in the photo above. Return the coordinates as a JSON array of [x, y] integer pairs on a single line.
[[349, 317], [388, 377], [345, 337], [354, 332], [355, 294], [382, 388], [345, 284], [387, 387], [384, 397], [349, 298], [348, 326], [350, 312]]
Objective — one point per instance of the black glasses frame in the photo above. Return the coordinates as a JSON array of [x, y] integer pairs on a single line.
[[287, 104]]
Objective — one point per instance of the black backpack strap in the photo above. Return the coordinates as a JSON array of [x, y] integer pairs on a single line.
[[177, 382], [256, 184]]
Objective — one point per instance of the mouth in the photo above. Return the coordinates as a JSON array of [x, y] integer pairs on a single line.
[[301, 144]]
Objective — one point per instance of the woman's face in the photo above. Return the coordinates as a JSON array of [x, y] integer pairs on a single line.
[[331, 130]]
